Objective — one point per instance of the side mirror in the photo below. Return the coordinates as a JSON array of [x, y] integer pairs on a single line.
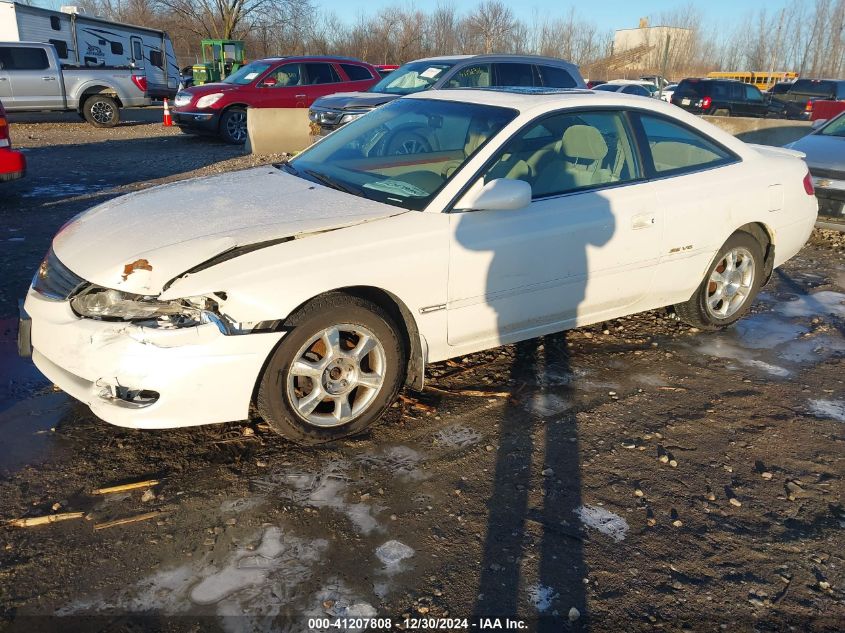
[[818, 123], [502, 194], [269, 82]]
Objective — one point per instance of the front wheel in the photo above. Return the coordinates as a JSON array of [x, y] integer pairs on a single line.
[[335, 373], [729, 288], [233, 126], [101, 111]]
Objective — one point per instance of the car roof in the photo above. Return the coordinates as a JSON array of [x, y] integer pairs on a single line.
[[321, 58], [494, 57]]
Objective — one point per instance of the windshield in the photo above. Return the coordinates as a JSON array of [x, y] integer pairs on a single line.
[[836, 127], [247, 74], [412, 77], [402, 153]]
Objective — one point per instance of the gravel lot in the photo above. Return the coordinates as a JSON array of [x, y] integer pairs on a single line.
[[634, 475]]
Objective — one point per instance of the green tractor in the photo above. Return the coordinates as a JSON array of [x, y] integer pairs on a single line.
[[220, 58]]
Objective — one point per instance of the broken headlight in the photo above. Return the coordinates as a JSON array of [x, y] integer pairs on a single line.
[[107, 304]]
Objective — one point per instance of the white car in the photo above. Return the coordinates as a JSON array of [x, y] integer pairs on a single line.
[[314, 290], [667, 93]]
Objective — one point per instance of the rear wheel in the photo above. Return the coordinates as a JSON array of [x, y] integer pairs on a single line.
[[101, 111], [335, 374], [233, 126], [729, 288]]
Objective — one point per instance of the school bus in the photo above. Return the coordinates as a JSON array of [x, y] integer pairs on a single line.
[[763, 81]]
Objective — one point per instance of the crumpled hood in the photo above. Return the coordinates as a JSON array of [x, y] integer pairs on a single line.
[[140, 241], [823, 151], [354, 100]]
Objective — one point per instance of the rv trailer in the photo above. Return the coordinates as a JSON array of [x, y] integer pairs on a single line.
[[92, 42]]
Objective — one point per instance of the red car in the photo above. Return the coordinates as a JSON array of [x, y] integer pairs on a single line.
[[12, 164], [276, 82]]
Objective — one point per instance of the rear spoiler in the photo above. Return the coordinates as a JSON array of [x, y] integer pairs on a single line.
[[778, 151]]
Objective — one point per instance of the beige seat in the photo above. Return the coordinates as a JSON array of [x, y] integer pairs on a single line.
[[576, 163]]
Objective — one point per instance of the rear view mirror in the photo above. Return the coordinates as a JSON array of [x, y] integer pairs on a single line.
[[818, 123], [502, 194]]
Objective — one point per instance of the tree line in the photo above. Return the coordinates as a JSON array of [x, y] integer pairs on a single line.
[[807, 36]]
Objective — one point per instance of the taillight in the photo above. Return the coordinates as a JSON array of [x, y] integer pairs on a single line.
[[141, 82], [705, 102], [4, 132], [809, 106], [808, 185]]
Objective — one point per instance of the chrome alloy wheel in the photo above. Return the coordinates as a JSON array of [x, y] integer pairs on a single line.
[[102, 112], [336, 375], [730, 283], [236, 126]]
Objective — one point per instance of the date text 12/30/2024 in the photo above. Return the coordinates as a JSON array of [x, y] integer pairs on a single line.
[[417, 624]]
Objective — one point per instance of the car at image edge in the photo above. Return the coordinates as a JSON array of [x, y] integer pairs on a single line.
[[314, 290], [12, 163], [825, 155]]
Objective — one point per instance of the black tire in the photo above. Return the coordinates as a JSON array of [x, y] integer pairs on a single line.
[[695, 312], [101, 111], [273, 400], [233, 126]]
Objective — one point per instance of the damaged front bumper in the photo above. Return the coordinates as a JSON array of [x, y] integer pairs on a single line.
[[144, 377]]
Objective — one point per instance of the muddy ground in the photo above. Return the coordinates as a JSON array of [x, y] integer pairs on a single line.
[[634, 475]]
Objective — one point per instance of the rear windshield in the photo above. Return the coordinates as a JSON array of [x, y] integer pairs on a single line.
[[780, 89], [814, 88], [691, 89]]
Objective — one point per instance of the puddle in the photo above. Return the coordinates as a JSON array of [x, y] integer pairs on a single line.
[[766, 331], [63, 189], [825, 303], [720, 348], [832, 409], [604, 521], [29, 407]]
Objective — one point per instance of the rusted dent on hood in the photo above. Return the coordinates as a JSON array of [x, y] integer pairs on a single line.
[[138, 264]]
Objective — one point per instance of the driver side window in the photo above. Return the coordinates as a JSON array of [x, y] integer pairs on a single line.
[[287, 75], [569, 152]]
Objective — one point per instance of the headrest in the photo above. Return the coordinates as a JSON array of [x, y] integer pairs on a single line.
[[583, 141]]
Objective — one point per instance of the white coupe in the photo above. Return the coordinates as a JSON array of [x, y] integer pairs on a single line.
[[438, 225]]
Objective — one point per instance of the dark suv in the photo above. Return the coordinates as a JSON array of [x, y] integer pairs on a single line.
[[435, 73], [720, 97]]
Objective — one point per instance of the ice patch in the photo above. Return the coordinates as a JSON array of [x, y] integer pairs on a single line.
[[721, 349], [542, 597], [393, 553], [812, 349], [237, 506], [457, 436], [548, 404], [324, 489], [821, 303], [766, 331], [337, 601], [604, 521], [834, 409], [400, 461]]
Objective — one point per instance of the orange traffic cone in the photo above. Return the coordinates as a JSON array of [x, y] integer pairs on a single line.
[[168, 121]]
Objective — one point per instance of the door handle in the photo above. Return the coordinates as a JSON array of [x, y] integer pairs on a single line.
[[300, 96], [643, 221], [49, 78]]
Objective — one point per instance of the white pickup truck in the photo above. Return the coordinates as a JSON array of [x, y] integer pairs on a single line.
[[33, 79]]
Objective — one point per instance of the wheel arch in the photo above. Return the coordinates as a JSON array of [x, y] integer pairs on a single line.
[[402, 315], [90, 91], [765, 237]]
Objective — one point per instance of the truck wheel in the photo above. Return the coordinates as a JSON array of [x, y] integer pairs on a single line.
[[233, 126], [335, 373], [101, 111]]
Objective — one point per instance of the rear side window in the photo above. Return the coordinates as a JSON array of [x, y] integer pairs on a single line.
[[676, 149], [61, 48], [356, 73], [14, 58], [515, 75], [321, 74], [555, 77], [691, 89], [753, 94], [840, 90], [157, 59], [476, 76]]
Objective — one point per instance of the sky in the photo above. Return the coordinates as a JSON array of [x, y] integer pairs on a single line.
[[607, 14]]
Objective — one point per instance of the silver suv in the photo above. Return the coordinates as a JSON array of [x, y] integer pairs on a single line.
[[437, 73]]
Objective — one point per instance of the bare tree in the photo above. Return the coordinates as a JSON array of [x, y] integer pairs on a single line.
[[491, 25]]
